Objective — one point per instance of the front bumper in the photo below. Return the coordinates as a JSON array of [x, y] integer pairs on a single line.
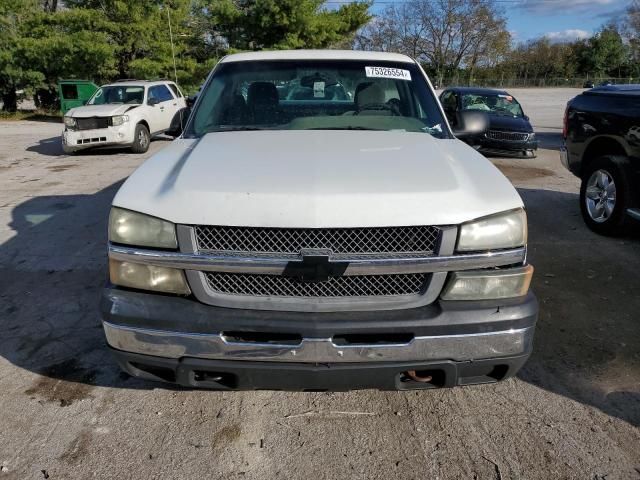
[[248, 375], [74, 140], [180, 340], [506, 148]]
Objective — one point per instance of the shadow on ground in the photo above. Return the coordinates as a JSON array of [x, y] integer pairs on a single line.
[[587, 343], [51, 275], [52, 147]]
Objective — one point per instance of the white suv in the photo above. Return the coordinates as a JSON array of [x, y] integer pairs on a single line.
[[125, 113], [319, 226]]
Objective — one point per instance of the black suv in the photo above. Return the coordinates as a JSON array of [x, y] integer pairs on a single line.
[[602, 146]]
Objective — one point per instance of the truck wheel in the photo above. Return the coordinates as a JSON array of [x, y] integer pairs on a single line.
[[141, 139], [605, 195]]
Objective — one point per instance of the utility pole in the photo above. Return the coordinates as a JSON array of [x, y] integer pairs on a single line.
[[173, 53]]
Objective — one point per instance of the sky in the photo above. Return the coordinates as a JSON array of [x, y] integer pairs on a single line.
[[559, 20]]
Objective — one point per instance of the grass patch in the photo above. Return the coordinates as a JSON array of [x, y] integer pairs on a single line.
[[32, 115]]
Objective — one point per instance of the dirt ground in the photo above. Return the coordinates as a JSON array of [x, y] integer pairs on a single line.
[[68, 413]]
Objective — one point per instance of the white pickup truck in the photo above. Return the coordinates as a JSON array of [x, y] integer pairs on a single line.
[[123, 114], [331, 237]]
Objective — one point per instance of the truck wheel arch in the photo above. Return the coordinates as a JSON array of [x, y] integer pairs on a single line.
[[599, 147]]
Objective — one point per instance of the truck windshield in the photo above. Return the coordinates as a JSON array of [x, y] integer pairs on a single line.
[[498, 104], [317, 95], [128, 94]]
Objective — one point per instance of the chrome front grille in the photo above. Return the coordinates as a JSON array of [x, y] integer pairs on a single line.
[[509, 136], [334, 287], [419, 240], [309, 269]]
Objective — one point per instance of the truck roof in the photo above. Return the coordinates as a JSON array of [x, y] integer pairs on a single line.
[[317, 55], [478, 91], [630, 90]]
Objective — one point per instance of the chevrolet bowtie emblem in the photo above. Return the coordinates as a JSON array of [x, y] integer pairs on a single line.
[[315, 266]]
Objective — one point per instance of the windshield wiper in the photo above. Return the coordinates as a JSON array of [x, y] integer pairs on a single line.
[[504, 113], [346, 128], [239, 128]]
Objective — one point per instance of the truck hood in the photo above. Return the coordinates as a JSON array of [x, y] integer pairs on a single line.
[[317, 179], [107, 110]]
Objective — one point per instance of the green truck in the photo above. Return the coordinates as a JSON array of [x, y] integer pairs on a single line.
[[74, 93]]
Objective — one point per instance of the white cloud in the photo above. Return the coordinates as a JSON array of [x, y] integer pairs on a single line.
[[567, 35], [546, 7]]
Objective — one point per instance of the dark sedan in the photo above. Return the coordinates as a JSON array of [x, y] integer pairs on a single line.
[[510, 133]]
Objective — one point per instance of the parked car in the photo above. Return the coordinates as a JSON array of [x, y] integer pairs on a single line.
[[510, 134], [123, 114], [324, 245], [588, 84], [602, 147]]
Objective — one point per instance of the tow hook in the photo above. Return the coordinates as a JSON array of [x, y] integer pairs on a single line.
[[417, 378]]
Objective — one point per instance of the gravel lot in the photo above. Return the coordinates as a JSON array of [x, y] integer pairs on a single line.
[[67, 412]]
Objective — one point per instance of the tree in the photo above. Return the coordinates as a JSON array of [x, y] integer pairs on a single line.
[[444, 34], [607, 53], [280, 24], [139, 31], [14, 74], [68, 43], [630, 28]]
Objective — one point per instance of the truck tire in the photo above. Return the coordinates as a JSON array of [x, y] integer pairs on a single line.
[[141, 139], [605, 195]]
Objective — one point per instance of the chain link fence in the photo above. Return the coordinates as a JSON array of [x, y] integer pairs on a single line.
[[504, 82]]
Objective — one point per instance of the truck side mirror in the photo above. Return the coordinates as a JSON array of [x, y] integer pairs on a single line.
[[178, 122], [153, 101], [471, 123]]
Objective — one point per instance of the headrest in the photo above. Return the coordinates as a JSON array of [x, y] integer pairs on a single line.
[[262, 94], [368, 93]]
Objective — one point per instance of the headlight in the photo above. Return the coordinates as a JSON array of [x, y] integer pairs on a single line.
[[134, 228], [69, 122], [505, 230], [119, 120], [488, 285], [148, 277], [532, 136]]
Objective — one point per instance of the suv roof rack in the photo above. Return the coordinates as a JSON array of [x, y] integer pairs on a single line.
[[147, 80]]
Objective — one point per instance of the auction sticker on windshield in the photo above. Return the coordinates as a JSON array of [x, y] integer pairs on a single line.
[[387, 72]]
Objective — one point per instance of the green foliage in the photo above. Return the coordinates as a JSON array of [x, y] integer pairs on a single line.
[[14, 73], [102, 40], [70, 43], [139, 32], [606, 53], [282, 24]]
